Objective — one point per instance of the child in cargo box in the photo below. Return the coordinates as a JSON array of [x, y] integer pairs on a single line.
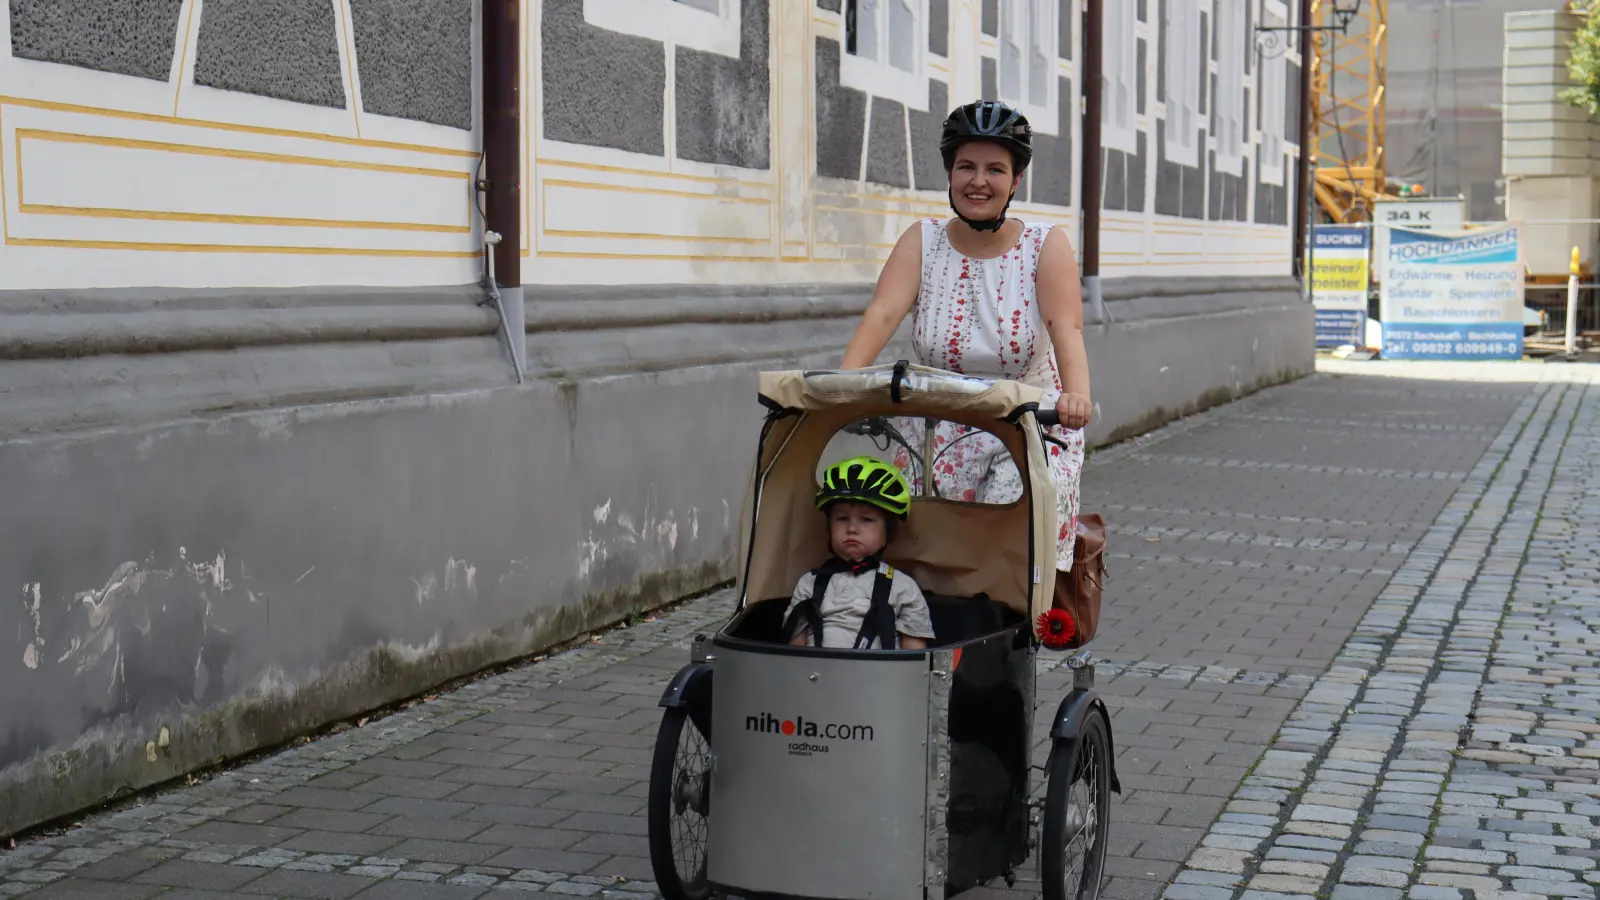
[[864, 603]]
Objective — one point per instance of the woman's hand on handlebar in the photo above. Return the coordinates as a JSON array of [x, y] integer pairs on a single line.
[[1074, 410]]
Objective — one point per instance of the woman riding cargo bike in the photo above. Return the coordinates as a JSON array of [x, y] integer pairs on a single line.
[[861, 727]]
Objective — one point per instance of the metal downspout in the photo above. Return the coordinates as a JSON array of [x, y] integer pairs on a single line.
[[1093, 69], [502, 148], [1304, 199]]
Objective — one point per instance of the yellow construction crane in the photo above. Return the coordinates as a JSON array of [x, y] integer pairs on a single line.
[[1347, 109]]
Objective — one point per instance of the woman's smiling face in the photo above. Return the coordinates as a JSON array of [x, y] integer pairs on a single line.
[[982, 180]]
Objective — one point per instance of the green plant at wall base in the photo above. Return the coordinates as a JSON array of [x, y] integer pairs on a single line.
[[1584, 64]]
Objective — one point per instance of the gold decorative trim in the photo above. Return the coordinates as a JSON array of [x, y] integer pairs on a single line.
[[235, 127], [238, 248], [63, 137], [95, 212], [630, 189], [183, 56]]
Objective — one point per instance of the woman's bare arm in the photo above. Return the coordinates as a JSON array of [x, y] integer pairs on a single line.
[[1060, 292], [892, 300]]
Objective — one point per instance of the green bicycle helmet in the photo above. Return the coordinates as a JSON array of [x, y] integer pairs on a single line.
[[866, 480]]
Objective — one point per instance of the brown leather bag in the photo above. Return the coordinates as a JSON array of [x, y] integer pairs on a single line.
[[1078, 592]]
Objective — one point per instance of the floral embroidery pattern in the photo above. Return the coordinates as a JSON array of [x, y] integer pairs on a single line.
[[981, 317]]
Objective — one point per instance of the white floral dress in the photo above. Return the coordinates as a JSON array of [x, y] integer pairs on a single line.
[[981, 317]]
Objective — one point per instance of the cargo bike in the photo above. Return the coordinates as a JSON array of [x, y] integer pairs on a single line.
[[785, 771]]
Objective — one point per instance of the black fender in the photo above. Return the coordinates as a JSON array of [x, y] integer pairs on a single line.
[[1075, 707], [690, 689]]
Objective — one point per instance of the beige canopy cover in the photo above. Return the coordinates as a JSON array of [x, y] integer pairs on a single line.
[[949, 547]]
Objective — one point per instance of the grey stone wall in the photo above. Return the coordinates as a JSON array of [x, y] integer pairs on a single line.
[[886, 144], [606, 89], [128, 37], [415, 59], [927, 165], [285, 49], [601, 88], [1180, 189], [722, 104], [1123, 178], [240, 576], [1064, 22], [1050, 177], [1230, 194], [841, 117], [939, 27]]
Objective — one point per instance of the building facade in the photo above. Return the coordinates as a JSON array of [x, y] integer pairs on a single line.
[[1444, 98], [269, 462]]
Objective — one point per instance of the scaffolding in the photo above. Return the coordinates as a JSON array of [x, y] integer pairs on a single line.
[[1348, 110]]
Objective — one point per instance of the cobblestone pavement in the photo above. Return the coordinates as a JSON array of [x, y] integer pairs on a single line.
[[1349, 646], [1452, 749]]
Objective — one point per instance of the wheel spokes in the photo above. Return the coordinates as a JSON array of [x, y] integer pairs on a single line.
[[690, 803], [1083, 824]]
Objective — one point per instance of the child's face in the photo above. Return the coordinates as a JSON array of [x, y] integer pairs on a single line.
[[857, 530]]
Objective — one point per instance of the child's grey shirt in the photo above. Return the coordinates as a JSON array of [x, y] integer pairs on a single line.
[[850, 596]]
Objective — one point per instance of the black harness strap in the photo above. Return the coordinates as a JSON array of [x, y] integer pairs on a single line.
[[879, 620], [878, 623]]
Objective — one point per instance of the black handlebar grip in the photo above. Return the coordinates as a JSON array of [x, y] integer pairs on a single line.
[[1049, 418]]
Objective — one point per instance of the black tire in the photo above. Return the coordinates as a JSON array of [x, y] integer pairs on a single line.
[[1077, 814], [680, 786]]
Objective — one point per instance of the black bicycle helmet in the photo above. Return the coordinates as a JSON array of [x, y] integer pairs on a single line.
[[986, 120]]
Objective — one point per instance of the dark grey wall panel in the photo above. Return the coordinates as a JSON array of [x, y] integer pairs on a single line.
[[1136, 173], [1142, 12], [990, 79], [939, 27], [1180, 189], [1214, 194], [1141, 52], [128, 37], [1114, 178], [1241, 200], [927, 165], [991, 17], [1291, 112], [830, 5], [886, 144], [1051, 172], [841, 117], [723, 105], [1169, 179], [287, 49], [601, 88], [1064, 23], [415, 59], [1163, 41], [1194, 183], [1272, 201], [1228, 195]]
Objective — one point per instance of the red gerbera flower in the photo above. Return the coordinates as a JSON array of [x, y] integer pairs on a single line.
[[1055, 629]]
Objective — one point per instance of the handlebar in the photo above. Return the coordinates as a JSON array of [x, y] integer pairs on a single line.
[[1049, 418]]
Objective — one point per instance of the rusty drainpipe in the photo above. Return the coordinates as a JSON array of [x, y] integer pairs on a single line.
[[502, 188], [1089, 202], [1304, 199]]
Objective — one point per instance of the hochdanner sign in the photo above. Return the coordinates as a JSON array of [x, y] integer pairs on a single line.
[[1421, 214], [1453, 295]]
